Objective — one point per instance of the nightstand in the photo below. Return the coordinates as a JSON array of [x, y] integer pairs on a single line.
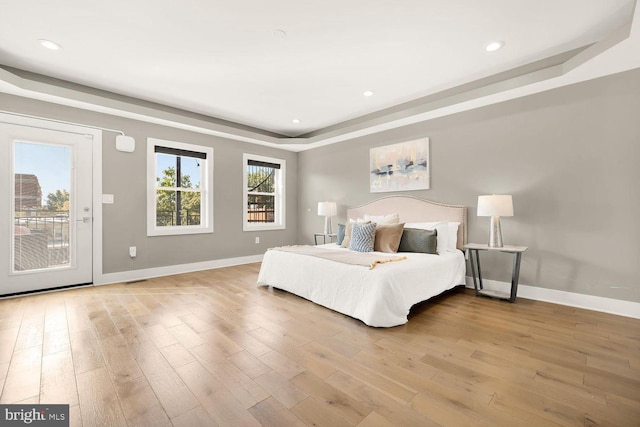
[[324, 237], [517, 251]]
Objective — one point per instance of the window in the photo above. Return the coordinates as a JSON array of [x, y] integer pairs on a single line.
[[179, 188], [264, 200]]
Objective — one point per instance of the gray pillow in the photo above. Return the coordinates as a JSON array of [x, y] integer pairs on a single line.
[[421, 241], [362, 237], [341, 231]]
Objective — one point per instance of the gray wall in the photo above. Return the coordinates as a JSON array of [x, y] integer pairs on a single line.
[[568, 156], [124, 176]]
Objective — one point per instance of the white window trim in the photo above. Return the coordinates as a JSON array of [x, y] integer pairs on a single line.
[[280, 202], [206, 185]]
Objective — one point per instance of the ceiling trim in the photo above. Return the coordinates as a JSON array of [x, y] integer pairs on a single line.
[[36, 86], [532, 78], [539, 76]]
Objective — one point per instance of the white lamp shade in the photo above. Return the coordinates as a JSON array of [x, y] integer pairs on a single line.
[[495, 205], [327, 209]]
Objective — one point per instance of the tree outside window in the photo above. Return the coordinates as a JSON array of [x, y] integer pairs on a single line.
[[180, 177]]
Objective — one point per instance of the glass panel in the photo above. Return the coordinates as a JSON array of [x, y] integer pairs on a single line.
[[190, 212], [176, 207], [166, 208], [166, 170], [261, 179], [260, 209], [190, 172], [42, 182]]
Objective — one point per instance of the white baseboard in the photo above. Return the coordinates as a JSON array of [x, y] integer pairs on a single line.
[[589, 302], [148, 273]]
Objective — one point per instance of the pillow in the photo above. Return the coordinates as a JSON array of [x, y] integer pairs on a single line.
[[441, 227], [362, 237], [453, 235], [393, 218], [416, 240], [341, 231], [422, 225], [387, 237], [347, 232]]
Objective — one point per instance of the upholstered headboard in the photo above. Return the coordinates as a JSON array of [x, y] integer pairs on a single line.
[[413, 209]]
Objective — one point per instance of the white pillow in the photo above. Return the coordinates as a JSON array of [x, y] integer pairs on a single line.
[[393, 218], [442, 227], [453, 235]]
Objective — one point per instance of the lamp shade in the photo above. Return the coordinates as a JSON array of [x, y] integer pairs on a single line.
[[327, 209], [495, 205]]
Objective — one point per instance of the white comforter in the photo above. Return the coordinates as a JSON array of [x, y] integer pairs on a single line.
[[379, 297]]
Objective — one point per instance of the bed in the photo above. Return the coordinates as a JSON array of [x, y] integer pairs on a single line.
[[380, 296]]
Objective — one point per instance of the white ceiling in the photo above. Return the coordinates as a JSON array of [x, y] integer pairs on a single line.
[[223, 59]]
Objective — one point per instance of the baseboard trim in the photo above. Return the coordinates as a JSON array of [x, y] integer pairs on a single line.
[[589, 302], [149, 273]]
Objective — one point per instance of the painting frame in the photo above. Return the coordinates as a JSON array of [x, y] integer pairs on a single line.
[[404, 166]]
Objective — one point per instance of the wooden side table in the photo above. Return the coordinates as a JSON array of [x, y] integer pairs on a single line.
[[324, 237], [517, 251]]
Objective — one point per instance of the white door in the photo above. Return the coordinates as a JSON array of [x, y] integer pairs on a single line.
[[46, 210]]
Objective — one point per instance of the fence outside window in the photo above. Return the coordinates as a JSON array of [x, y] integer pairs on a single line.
[[261, 195], [260, 209], [169, 218], [41, 239]]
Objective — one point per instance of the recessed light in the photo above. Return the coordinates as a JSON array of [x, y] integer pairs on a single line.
[[367, 93], [279, 34], [296, 121], [49, 44], [493, 46]]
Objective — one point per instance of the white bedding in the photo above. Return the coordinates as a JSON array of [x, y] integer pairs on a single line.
[[379, 297]]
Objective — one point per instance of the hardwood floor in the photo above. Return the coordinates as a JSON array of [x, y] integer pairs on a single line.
[[211, 348]]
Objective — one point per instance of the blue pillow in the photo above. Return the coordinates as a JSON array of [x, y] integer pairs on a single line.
[[362, 237], [341, 231]]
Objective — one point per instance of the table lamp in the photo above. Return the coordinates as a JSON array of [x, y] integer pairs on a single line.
[[327, 209], [495, 206]]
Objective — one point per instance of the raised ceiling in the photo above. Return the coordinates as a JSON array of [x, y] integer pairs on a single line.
[[258, 65]]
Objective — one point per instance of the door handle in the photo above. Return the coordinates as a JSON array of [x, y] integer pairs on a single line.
[[85, 219]]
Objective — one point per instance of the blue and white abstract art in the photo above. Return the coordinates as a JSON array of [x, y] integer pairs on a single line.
[[400, 167]]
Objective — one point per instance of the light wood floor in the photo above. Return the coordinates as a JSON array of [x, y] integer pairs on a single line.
[[212, 348]]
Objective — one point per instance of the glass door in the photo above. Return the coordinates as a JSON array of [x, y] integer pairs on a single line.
[[47, 182]]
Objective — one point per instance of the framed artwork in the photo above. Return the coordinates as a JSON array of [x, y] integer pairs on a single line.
[[400, 167]]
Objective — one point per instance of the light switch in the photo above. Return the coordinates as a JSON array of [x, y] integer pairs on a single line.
[[107, 199]]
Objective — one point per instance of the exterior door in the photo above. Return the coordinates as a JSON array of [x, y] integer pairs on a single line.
[[46, 210]]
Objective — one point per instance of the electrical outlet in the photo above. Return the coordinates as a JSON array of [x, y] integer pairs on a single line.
[[257, 240], [132, 251]]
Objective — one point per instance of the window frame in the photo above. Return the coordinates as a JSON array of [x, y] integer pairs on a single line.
[[280, 194], [206, 189]]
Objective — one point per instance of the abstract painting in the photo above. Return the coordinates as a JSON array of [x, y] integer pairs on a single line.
[[400, 167]]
